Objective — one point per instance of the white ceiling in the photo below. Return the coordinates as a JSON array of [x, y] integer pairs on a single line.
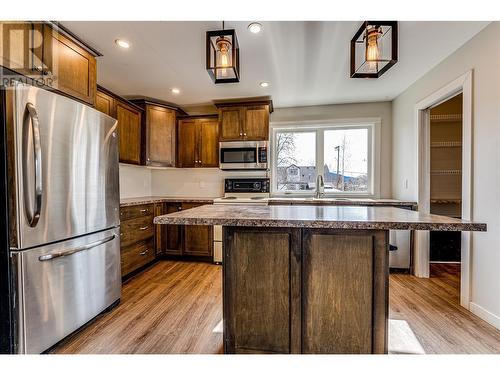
[[306, 63]]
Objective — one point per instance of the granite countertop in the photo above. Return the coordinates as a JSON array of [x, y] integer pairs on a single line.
[[336, 217], [342, 201], [160, 199]]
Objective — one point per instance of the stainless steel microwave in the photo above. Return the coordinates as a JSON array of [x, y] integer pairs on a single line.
[[243, 155]]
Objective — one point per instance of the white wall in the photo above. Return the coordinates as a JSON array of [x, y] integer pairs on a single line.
[[382, 110], [135, 181], [482, 55]]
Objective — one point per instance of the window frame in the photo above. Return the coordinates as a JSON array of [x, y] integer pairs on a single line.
[[373, 126]]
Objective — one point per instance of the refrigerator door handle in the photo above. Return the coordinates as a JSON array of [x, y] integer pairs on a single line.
[[75, 250], [37, 151]]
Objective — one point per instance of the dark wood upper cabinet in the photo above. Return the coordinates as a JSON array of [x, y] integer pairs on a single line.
[[129, 132], [22, 47], [244, 120], [159, 132], [231, 124], [198, 142], [105, 103], [130, 127], [160, 136], [209, 142], [187, 144], [73, 68], [47, 51], [257, 123]]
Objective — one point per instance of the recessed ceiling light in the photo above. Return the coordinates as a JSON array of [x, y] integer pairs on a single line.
[[122, 43], [175, 91], [264, 84], [255, 27]]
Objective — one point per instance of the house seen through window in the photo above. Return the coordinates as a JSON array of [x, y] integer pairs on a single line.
[[340, 154]]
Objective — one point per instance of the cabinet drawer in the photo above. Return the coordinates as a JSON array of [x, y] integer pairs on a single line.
[[136, 230], [132, 212], [137, 255]]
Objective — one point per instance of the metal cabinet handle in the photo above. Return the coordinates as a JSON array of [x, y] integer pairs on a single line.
[[244, 134], [144, 252], [144, 228], [144, 210], [75, 250], [241, 134], [31, 116]]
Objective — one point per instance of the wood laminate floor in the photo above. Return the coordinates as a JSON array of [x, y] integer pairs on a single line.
[[175, 307], [432, 309]]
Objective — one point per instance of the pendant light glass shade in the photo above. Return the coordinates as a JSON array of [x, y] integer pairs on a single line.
[[374, 49], [223, 56]]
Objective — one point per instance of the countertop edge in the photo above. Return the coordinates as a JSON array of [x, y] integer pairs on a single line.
[[317, 224], [127, 202]]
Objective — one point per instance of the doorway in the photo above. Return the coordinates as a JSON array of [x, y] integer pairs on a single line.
[[435, 181], [446, 185]]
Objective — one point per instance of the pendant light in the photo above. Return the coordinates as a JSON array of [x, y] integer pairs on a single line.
[[223, 55], [374, 49]]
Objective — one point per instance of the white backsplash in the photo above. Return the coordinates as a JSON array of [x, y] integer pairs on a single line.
[[135, 181], [194, 182]]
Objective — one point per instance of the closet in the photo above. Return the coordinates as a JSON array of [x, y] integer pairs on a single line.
[[446, 175]]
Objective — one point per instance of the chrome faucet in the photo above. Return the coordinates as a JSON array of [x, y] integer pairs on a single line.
[[320, 186]]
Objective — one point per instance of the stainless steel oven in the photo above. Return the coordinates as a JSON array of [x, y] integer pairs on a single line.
[[243, 155]]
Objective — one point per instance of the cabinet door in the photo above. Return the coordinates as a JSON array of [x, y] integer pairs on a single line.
[[187, 144], [173, 233], [105, 103], [262, 290], [256, 123], [160, 136], [198, 239], [209, 142], [72, 68], [21, 47], [231, 124], [344, 277], [129, 133]]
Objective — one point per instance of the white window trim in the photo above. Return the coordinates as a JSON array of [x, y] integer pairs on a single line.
[[374, 141]]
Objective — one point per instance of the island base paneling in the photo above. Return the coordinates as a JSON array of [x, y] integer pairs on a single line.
[[262, 291], [292, 290]]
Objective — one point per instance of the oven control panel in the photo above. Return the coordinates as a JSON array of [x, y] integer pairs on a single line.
[[246, 185]]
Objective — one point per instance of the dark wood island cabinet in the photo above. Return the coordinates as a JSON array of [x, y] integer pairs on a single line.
[[308, 279]]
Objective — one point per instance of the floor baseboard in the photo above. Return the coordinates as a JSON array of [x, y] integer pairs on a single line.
[[484, 314]]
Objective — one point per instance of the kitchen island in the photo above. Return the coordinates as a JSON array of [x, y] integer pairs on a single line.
[[308, 279]]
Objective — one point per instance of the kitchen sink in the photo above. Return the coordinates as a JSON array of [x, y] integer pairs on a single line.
[[325, 199]]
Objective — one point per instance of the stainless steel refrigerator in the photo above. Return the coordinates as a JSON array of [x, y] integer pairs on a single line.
[[60, 250]]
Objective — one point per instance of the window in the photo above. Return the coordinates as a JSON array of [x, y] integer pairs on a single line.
[[342, 153], [346, 160], [295, 158]]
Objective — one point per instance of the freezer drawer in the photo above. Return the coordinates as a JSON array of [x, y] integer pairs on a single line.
[[60, 287]]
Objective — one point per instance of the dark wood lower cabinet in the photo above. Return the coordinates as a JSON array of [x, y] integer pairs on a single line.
[[184, 240], [137, 237], [198, 239], [291, 290]]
